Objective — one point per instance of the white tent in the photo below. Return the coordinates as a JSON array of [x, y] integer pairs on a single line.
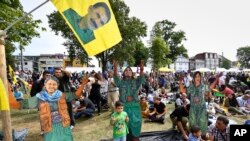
[[220, 70], [203, 70], [134, 69], [233, 70], [246, 70], [80, 69]]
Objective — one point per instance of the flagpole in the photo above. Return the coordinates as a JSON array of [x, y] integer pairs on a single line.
[[6, 120]]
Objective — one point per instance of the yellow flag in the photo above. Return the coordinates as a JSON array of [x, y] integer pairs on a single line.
[[92, 22], [4, 101], [12, 75]]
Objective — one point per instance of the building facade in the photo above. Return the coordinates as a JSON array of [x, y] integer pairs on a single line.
[[181, 64], [49, 61], [204, 60]]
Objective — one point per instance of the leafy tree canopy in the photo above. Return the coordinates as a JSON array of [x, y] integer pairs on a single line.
[[174, 39], [22, 32], [243, 55]]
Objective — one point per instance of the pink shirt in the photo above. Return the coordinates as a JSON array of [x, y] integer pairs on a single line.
[[227, 91]]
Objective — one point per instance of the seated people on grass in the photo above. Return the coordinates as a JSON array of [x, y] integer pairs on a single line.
[[182, 100], [158, 114], [220, 131], [226, 90], [179, 117], [243, 102], [232, 104], [163, 93], [144, 107], [86, 108]]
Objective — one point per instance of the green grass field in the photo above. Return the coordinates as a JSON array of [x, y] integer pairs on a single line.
[[93, 129]]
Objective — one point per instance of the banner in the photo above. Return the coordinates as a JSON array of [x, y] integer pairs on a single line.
[[12, 75], [4, 102], [92, 22]]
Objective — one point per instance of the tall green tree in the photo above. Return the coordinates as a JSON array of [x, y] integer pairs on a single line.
[[166, 30], [243, 55], [22, 32], [131, 28], [158, 51], [141, 53], [226, 64]]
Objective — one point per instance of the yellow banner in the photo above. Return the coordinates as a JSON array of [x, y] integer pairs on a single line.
[[12, 75], [4, 101], [92, 22]]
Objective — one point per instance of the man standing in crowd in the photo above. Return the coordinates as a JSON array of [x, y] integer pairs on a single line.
[[37, 86], [65, 87], [113, 93]]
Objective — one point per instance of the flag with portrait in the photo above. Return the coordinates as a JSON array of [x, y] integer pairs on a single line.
[[92, 22]]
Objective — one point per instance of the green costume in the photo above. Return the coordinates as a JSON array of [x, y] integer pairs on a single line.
[[198, 113], [128, 90]]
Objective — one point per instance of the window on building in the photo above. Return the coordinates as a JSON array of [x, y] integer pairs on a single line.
[[25, 63]]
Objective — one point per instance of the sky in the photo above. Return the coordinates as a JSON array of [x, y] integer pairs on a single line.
[[210, 25]]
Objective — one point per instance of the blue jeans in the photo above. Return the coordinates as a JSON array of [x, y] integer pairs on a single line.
[[121, 138], [86, 112]]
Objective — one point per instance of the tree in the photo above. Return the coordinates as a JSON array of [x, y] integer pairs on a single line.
[[132, 29], [158, 52], [141, 53], [226, 64], [174, 39], [22, 32], [243, 54]]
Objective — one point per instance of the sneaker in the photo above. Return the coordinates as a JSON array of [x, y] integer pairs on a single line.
[[41, 133], [71, 127]]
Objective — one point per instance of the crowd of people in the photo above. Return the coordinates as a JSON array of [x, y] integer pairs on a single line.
[[61, 97]]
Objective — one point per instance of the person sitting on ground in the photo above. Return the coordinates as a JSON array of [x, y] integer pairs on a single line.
[[144, 107], [179, 117], [158, 114], [86, 108], [18, 94], [195, 134], [243, 102], [182, 100], [232, 104], [226, 90], [119, 120], [163, 93], [220, 131]]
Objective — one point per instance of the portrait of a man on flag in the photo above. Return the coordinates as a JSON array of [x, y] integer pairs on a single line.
[[98, 15], [92, 22]]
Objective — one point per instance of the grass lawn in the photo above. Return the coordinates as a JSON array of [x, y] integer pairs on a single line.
[[93, 129]]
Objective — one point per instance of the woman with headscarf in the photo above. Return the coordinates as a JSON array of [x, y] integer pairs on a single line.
[[54, 117], [198, 93], [128, 89]]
